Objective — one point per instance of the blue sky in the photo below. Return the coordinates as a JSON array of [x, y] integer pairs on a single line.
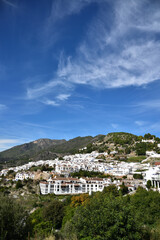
[[78, 67]]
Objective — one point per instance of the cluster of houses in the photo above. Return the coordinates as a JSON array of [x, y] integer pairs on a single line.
[[24, 175], [89, 162]]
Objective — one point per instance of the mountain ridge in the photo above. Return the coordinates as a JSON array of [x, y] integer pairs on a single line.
[[45, 148]]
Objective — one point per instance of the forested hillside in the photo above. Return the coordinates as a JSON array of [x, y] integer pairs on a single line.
[[102, 216]]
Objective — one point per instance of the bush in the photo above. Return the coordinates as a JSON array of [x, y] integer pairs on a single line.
[[19, 184], [137, 176]]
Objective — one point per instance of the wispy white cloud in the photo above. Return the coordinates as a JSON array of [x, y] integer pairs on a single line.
[[153, 104], [60, 10], [2, 141], [121, 56], [10, 3], [152, 127], [7, 143], [3, 107], [54, 88], [30, 124], [135, 65], [117, 57], [50, 102], [63, 97], [130, 12], [140, 123], [58, 100], [114, 125], [155, 127], [47, 88]]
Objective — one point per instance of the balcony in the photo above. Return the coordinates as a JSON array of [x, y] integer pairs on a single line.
[[156, 177]]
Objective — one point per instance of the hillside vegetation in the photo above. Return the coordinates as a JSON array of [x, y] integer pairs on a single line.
[[103, 215], [121, 138]]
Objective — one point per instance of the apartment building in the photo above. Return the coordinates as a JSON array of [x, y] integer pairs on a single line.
[[153, 174], [60, 186]]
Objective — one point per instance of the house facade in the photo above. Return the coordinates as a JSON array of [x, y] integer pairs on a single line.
[[60, 186], [153, 174]]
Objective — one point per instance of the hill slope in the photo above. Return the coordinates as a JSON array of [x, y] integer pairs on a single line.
[[25, 151], [44, 149]]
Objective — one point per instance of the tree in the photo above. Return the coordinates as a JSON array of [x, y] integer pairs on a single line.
[[123, 189], [79, 200], [19, 184], [89, 148], [105, 217], [127, 150], [149, 184], [54, 212], [137, 176], [147, 206], [141, 148], [157, 139], [13, 220], [148, 136], [112, 189], [47, 218], [10, 172]]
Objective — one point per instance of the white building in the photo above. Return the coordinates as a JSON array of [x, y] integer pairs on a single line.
[[60, 186], [153, 174], [152, 154], [4, 172], [24, 175], [65, 168], [148, 140]]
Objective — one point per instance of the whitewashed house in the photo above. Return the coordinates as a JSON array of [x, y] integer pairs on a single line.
[[148, 140], [24, 175]]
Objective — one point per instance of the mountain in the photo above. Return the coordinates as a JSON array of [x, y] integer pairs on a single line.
[[50, 149], [24, 152], [44, 149]]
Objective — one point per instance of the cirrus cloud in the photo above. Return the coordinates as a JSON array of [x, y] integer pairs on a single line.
[[108, 57]]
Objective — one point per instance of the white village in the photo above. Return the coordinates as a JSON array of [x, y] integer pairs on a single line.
[[60, 182]]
